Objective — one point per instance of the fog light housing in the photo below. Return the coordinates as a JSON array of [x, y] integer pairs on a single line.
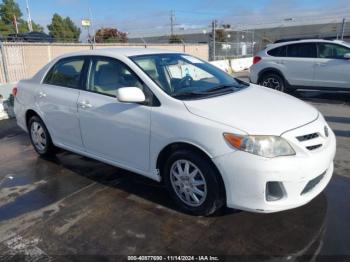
[[274, 191]]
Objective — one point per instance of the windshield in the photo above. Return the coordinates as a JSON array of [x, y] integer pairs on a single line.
[[186, 77]]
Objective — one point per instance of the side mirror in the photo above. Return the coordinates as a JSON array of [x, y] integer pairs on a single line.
[[347, 56], [130, 95]]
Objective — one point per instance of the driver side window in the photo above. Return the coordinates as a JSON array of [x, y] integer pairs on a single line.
[[326, 50], [107, 75]]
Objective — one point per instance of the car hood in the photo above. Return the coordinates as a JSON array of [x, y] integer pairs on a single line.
[[255, 110]]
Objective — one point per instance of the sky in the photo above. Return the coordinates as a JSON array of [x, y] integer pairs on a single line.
[[145, 17]]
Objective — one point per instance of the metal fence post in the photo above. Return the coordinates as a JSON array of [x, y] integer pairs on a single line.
[[49, 52], [4, 64], [214, 38], [183, 45]]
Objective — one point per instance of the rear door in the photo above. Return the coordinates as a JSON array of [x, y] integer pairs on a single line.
[[115, 131], [332, 69], [299, 64], [57, 100]]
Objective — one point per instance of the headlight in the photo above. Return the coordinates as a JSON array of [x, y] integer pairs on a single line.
[[266, 146]]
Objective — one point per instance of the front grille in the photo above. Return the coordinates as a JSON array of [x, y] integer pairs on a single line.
[[307, 137], [312, 183], [313, 147]]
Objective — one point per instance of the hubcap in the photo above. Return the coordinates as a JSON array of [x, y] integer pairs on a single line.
[[188, 182], [38, 136], [272, 82]]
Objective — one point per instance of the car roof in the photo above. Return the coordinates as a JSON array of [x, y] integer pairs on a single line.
[[117, 52], [270, 46]]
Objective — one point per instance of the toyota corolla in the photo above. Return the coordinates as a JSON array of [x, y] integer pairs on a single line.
[[213, 140]]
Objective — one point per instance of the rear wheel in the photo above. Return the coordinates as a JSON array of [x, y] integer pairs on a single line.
[[193, 183], [40, 137], [273, 81]]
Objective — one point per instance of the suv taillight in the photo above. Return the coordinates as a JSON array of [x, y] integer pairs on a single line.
[[256, 59], [14, 91]]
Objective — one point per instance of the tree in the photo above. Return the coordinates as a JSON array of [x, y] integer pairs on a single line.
[[110, 35], [10, 9], [63, 29], [175, 39], [72, 30], [220, 35]]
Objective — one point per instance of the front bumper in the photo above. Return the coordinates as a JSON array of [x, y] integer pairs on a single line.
[[246, 176]]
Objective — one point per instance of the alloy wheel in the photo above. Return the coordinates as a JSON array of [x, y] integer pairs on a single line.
[[272, 82], [188, 182], [38, 136]]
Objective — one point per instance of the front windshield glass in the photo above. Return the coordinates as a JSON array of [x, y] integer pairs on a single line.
[[186, 77]]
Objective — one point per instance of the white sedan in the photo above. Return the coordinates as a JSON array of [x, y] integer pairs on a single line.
[[212, 139]]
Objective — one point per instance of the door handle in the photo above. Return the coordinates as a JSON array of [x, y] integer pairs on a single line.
[[321, 64], [85, 104], [42, 94]]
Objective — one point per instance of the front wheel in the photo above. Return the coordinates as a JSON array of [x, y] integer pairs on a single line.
[[193, 183]]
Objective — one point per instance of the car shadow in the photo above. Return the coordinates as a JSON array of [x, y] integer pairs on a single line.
[[329, 97], [337, 119], [126, 181]]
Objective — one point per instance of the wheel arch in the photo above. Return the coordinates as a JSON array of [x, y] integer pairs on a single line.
[[271, 70], [170, 148], [29, 114]]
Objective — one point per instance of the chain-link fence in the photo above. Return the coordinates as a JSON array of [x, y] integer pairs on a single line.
[[230, 44], [225, 50]]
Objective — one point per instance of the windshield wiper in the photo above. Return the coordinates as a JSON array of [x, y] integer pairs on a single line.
[[221, 87], [202, 93], [225, 88], [191, 93]]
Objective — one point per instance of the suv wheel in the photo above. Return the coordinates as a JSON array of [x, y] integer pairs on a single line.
[[193, 183], [40, 137], [273, 81]]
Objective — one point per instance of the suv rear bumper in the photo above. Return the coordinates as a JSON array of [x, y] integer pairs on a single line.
[[253, 75]]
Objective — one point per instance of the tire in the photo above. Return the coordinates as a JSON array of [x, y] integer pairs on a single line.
[[274, 81], [184, 189], [40, 137]]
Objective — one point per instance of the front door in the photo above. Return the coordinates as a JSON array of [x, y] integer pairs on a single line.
[[331, 69], [119, 132]]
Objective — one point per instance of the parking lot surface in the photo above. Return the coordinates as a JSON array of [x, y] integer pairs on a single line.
[[72, 205]]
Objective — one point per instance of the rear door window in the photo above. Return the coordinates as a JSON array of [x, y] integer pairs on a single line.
[[278, 52], [305, 50], [66, 72]]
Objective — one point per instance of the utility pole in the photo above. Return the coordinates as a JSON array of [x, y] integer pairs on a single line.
[[29, 18], [93, 29], [343, 29], [214, 25], [172, 22]]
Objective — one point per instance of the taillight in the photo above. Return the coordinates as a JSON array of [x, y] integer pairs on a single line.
[[256, 59], [14, 91]]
